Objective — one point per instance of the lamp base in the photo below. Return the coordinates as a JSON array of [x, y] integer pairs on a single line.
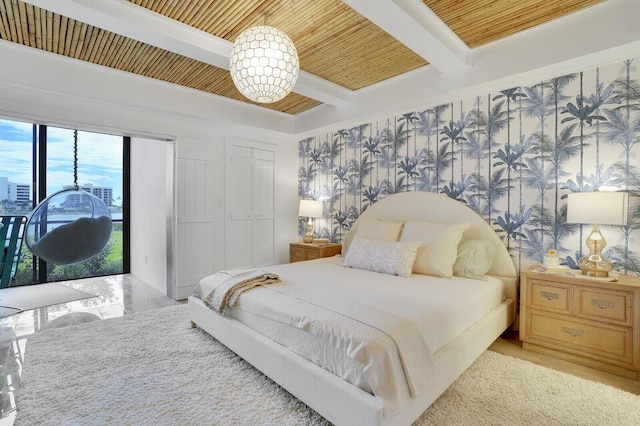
[[308, 236], [595, 266]]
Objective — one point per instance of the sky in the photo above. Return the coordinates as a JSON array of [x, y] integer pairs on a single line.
[[99, 157]]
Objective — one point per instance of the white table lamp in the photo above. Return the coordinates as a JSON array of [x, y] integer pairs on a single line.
[[310, 209], [597, 208]]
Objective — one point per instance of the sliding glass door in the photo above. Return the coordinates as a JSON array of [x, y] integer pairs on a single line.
[[38, 161]]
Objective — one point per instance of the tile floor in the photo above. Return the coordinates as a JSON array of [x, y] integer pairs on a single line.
[[117, 295]]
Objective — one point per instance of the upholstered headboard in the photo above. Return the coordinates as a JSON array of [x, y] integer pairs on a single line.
[[439, 208]]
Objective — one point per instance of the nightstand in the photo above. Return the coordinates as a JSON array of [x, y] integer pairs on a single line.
[[586, 321], [303, 251]]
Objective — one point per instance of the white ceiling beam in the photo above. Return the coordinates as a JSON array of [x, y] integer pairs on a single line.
[[129, 20], [135, 22], [413, 24], [317, 88]]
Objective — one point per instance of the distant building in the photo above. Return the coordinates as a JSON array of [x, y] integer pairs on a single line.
[[14, 192], [102, 192]]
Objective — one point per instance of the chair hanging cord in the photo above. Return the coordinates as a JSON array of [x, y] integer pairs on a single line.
[[75, 159]]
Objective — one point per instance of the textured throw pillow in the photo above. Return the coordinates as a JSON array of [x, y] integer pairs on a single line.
[[393, 258], [475, 258], [383, 230], [438, 246]]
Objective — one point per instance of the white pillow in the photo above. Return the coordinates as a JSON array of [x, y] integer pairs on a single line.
[[393, 258], [475, 258], [383, 230], [438, 246]]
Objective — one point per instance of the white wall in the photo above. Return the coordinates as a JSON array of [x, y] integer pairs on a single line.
[[148, 220]]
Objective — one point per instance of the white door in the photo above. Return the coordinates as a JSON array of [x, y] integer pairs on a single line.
[[249, 195]]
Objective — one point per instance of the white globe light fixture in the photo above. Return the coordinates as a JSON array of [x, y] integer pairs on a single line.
[[264, 64]]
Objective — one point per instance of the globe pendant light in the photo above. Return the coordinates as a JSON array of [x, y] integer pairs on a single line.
[[70, 226], [264, 64]]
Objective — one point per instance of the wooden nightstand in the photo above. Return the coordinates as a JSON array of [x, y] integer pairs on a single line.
[[590, 322], [303, 251]]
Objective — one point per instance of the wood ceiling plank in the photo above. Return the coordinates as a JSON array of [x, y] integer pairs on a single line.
[[5, 29], [479, 22], [14, 22], [40, 21]]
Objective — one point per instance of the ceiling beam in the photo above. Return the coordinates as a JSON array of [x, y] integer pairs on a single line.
[[135, 22], [413, 24]]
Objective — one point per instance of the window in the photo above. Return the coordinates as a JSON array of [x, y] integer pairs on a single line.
[[38, 161]]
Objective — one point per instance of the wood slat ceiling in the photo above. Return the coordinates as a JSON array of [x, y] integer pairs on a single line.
[[334, 42]]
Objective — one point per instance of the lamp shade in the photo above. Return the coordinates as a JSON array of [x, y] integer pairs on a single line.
[[601, 208], [310, 208], [264, 64]]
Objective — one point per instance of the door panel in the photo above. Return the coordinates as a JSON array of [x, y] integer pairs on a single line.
[[250, 221]]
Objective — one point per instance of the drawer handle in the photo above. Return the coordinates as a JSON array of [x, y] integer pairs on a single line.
[[573, 332], [549, 296], [602, 304]]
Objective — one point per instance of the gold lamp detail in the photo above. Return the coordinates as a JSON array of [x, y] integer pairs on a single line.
[[597, 208], [310, 209]]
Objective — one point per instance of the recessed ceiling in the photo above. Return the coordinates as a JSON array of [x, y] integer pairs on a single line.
[[343, 46]]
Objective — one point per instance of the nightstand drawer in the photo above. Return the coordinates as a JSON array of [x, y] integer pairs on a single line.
[[605, 305], [296, 255], [584, 337], [548, 295], [583, 320]]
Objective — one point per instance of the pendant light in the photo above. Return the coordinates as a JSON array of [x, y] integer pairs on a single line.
[[70, 226], [264, 64]]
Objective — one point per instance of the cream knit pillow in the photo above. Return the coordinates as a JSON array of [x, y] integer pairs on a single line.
[[438, 246]]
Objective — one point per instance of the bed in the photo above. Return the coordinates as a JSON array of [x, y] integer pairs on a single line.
[[360, 378]]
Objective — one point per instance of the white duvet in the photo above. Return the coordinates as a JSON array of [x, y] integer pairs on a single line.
[[389, 325]]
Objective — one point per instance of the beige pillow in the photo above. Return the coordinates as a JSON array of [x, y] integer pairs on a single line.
[[438, 246], [382, 230], [475, 258], [346, 241], [393, 258]]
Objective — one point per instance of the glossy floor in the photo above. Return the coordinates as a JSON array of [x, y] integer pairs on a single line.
[[115, 296]]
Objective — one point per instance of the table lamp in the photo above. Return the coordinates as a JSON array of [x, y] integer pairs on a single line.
[[597, 208], [310, 209]]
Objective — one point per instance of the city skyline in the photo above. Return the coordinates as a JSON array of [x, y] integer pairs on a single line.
[[100, 167]]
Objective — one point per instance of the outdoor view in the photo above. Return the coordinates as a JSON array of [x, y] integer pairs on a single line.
[[99, 172]]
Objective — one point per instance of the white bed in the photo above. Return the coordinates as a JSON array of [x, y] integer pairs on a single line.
[[348, 400]]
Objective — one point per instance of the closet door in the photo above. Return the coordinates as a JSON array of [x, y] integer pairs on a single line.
[[263, 218], [249, 195]]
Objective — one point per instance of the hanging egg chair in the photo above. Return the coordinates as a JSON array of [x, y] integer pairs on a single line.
[[70, 226]]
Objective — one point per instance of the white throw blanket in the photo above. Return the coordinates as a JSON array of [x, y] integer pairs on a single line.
[[229, 290]]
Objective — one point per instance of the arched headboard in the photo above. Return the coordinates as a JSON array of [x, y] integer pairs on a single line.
[[439, 208]]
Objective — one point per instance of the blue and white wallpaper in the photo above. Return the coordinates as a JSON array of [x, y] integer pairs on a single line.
[[512, 156]]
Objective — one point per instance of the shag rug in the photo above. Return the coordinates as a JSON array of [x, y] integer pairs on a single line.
[[14, 300], [152, 368]]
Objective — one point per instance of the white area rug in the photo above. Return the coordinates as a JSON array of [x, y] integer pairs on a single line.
[[14, 300], [151, 368]]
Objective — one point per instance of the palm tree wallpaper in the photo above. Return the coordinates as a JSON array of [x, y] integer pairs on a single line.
[[512, 156]]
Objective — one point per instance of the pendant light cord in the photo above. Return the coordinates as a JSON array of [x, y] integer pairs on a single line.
[[75, 159]]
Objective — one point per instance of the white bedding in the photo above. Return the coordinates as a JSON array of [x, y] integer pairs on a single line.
[[436, 308]]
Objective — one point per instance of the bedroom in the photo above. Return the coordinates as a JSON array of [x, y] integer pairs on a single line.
[[199, 125]]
